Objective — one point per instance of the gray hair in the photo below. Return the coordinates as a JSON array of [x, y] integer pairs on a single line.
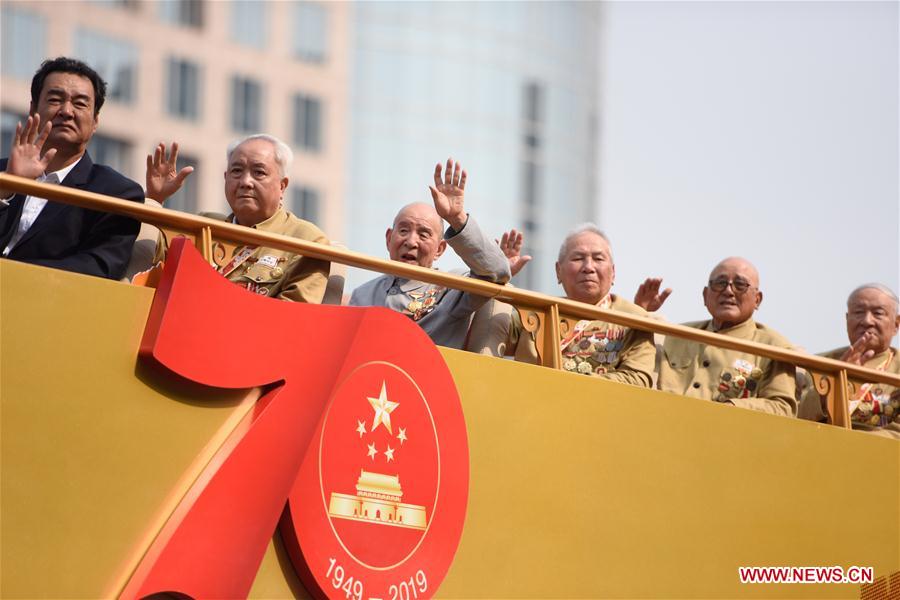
[[578, 230], [284, 156], [881, 288]]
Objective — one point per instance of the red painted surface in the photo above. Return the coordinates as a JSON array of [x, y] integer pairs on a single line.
[[309, 358]]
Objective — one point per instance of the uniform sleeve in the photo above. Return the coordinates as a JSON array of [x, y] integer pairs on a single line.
[[481, 254], [636, 362], [307, 279], [777, 392]]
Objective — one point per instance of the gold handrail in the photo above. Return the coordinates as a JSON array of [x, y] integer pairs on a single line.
[[547, 306]]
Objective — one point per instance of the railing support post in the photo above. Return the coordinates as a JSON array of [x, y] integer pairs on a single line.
[[838, 406], [551, 355], [205, 245]]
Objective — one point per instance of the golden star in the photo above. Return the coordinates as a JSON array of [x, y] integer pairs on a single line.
[[383, 409], [372, 451], [361, 428], [389, 453], [402, 435]]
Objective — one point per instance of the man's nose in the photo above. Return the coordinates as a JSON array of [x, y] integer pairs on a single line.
[[868, 318], [67, 109], [588, 266]]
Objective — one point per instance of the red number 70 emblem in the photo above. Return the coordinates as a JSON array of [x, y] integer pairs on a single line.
[[357, 446]]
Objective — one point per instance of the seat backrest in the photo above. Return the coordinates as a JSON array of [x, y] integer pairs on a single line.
[[334, 289], [144, 249], [489, 330]]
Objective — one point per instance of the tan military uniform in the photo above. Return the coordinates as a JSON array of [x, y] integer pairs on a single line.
[[597, 348], [876, 406], [278, 273], [700, 371]]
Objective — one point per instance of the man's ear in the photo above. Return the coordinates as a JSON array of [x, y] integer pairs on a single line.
[[283, 183], [558, 276], [387, 238], [759, 297], [442, 245]]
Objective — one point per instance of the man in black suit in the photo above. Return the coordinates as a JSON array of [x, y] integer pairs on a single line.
[[66, 97]]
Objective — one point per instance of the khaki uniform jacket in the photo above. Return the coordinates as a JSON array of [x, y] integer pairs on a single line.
[[601, 349], [278, 273], [711, 373], [879, 408]]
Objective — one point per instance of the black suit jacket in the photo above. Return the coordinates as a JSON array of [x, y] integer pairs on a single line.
[[75, 239]]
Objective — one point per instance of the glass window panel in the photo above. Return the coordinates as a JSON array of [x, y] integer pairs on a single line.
[[182, 12], [183, 93], [112, 152], [246, 105], [187, 198], [23, 42], [114, 59], [306, 203], [310, 35], [248, 22], [307, 122], [8, 122]]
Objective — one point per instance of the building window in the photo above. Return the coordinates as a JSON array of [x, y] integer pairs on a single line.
[[305, 203], [8, 122], [533, 103], [111, 152], [307, 122], [24, 43], [246, 105], [310, 34], [114, 59], [183, 97], [187, 198], [182, 12], [248, 22], [129, 4]]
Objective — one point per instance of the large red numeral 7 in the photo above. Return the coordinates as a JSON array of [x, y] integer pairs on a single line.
[[203, 328]]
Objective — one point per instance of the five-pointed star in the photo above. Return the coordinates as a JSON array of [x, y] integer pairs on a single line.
[[383, 409], [372, 451], [389, 453], [361, 428], [402, 435]]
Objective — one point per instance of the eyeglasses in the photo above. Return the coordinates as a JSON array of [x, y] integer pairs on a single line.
[[738, 285]]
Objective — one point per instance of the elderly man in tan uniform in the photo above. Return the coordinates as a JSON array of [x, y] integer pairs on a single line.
[[873, 319], [729, 376], [255, 181], [586, 271]]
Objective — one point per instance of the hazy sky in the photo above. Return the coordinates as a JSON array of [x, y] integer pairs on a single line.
[[762, 129]]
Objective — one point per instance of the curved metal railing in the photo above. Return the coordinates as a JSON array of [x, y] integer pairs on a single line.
[[541, 313]]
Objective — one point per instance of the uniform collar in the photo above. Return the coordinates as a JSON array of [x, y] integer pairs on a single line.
[[269, 224], [741, 330]]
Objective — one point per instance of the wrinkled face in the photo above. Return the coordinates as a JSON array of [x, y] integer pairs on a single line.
[[67, 101], [416, 236], [254, 185], [740, 297], [874, 312], [587, 270]]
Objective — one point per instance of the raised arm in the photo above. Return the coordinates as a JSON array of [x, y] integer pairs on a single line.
[[511, 245], [648, 295], [448, 193], [162, 178], [25, 159]]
